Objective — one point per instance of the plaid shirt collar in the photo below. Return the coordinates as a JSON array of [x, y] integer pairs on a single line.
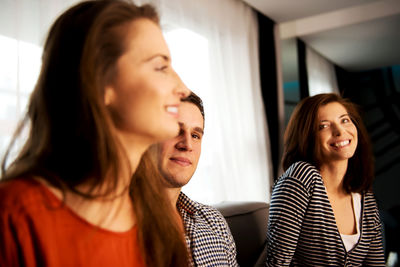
[[208, 239], [185, 203]]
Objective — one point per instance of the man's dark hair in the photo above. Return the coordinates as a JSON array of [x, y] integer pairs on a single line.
[[195, 99]]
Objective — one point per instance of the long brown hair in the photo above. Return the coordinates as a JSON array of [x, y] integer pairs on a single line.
[[141, 191], [71, 140], [300, 141]]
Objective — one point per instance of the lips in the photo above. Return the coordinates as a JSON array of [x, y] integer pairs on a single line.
[[341, 144], [181, 161]]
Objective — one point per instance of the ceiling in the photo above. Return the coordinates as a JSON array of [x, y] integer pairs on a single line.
[[356, 35]]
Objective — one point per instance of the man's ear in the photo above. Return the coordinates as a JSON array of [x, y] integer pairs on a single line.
[[109, 95]]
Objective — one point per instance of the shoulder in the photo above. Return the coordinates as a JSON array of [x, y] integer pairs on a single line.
[[211, 240], [302, 173], [370, 202], [211, 213], [371, 210], [19, 195], [210, 220], [203, 214], [369, 198], [207, 212], [14, 191]]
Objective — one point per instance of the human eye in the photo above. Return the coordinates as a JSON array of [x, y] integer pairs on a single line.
[[196, 136], [161, 64], [346, 120], [162, 68], [323, 126]]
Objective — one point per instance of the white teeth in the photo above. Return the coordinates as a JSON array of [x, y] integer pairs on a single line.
[[173, 110], [343, 143]]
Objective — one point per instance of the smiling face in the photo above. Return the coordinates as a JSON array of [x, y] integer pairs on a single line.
[[179, 156], [337, 134], [144, 96]]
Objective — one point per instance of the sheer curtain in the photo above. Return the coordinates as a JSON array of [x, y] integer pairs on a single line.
[[214, 49], [214, 46], [321, 74], [23, 27]]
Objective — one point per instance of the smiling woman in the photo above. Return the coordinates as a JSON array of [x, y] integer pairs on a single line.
[[337, 135], [323, 211], [105, 93], [157, 89]]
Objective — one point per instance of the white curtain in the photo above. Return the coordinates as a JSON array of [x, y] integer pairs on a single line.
[[214, 49], [321, 74], [23, 28], [214, 46]]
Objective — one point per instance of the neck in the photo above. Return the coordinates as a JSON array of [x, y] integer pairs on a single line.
[[133, 149], [173, 194], [333, 174], [114, 211]]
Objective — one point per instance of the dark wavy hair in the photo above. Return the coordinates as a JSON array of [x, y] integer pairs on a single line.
[[300, 141], [71, 141]]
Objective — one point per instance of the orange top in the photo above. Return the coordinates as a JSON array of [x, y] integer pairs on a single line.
[[36, 229]]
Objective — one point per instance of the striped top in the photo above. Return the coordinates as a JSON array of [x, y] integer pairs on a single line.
[[350, 241], [302, 230]]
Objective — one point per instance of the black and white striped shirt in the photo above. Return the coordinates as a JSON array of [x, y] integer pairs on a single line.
[[302, 230]]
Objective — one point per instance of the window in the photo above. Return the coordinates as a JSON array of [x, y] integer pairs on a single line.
[[19, 69]]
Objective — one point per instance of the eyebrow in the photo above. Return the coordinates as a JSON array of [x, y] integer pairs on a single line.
[[197, 129], [200, 130], [165, 57], [341, 116]]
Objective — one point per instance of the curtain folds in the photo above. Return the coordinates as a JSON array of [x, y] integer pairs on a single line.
[[321, 74], [214, 47], [221, 65]]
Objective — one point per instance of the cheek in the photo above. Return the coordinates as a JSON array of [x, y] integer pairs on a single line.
[[355, 139], [128, 107], [163, 161], [126, 93], [167, 148], [149, 97], [134, 83], [319, 142], [139, 102], [355, 131], [198, 152]]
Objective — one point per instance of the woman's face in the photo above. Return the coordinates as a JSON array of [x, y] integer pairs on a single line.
[[337, 134], [144, 97]]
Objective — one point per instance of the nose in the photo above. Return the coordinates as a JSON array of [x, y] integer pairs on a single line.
[[185, 143], [337, 130], [181, 88]]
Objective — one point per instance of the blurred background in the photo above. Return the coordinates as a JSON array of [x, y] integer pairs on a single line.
[[251, 62]]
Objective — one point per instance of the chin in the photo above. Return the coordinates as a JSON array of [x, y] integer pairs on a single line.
[[174, 182]]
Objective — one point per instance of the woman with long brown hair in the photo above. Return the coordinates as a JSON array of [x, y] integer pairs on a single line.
[[323, 212], [105, 93]]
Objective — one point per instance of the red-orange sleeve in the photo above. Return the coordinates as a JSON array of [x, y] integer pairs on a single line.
[[8, 239]]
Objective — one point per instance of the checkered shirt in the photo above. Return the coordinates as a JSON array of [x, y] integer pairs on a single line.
[[207, 234]]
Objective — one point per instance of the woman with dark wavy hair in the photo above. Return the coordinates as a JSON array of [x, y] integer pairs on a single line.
[[105, 93], [323, 212]]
